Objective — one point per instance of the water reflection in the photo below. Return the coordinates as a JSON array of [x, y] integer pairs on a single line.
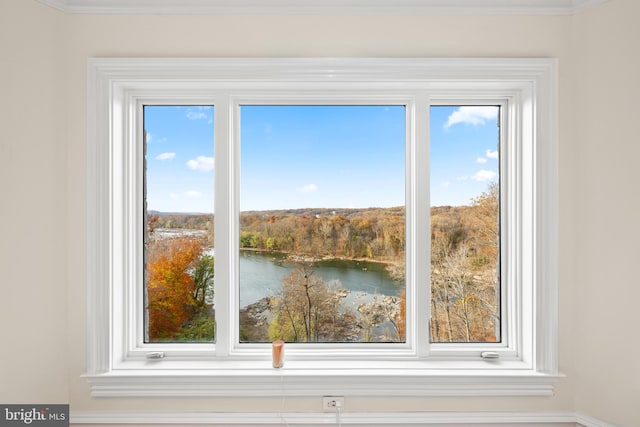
[[261, 275]]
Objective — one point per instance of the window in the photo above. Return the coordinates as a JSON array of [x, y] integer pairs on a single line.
[[325, 161], [178, 217], [465, 223], [322, 235]]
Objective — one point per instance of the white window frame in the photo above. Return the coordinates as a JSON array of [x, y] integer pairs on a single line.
[[119, 363]]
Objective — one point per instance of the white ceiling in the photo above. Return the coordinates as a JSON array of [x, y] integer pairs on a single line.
[[522, 7]]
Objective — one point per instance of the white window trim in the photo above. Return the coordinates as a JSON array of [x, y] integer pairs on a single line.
[[116, 365]]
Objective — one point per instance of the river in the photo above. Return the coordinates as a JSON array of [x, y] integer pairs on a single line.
[[261, 275]]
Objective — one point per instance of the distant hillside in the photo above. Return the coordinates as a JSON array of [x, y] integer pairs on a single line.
[[315, 212], [191, 221], [202, 221]]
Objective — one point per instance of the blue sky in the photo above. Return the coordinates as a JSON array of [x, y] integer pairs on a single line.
[[179, 158], [463, 153], [317, 156], [322, 156]]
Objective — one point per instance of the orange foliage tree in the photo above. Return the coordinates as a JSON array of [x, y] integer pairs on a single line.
[[170, 286]]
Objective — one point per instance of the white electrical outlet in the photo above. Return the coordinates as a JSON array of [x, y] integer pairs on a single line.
[[332, 403]]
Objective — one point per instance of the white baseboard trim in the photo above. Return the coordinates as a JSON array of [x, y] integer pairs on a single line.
[[191, 7], [387, 419], [587, 421]]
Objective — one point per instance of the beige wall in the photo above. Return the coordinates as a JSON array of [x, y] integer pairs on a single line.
[[603, 200], [33, 205], [42, 159]]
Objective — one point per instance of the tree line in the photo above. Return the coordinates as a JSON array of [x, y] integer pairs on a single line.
[[373, 233]]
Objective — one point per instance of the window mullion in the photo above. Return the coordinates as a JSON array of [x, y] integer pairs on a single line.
[[419, 226], [224, 221]]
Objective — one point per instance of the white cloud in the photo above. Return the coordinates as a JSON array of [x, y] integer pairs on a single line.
[[199, 113], [472, 115], [201, 163], [195, 115], [492, 154], [174, 196], [166, 156], [309, 188], [445, 184], [193, 194], [481, 160], [484, 175], [148, 137]]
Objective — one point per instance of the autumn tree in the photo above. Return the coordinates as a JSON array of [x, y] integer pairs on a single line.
[[484, 222], [203, 276], [171, 288], [401, 317], [465, 291], [309, 311]]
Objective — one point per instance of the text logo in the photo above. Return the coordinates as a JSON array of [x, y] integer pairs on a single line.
[[34, 415]]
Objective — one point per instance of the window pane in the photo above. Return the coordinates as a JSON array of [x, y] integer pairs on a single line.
[[322, 223], [178, 206], [465, 255]]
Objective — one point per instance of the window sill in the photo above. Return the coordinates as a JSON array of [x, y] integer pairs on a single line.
[[253, 378]]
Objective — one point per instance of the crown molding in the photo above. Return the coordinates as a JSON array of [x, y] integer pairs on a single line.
[[212, 7]]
